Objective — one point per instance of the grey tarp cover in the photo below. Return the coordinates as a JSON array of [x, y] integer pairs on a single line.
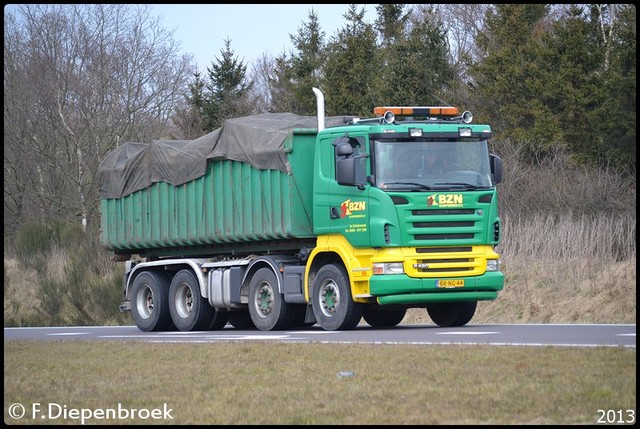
[[257, 140]]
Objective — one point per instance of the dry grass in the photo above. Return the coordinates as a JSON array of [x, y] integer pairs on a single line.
[[266, 383], [21, 302], [580, 291]]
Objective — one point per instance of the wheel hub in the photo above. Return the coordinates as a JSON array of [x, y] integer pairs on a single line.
[[264, 300]]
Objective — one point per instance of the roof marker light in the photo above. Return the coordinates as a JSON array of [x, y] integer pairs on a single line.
[[446, 111]]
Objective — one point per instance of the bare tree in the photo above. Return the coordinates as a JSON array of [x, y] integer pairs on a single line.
[[262, 74], [79, 80], [464, 22]]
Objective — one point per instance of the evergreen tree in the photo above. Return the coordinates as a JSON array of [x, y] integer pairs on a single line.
[[573, 92], [616, 27], [281, 82], [189, 121], [226, 92], [306, 64], [196, 91], [507, 83], [565, 83], [417, 70], [390, 23], [352, 67]]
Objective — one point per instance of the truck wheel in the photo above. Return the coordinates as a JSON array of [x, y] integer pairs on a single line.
[[451, 314], [150, 302], [266, 305], [331, 300], [241, 320], [383, 318], [189, 310]]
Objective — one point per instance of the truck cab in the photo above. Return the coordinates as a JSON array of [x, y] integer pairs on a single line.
[[407, 202]]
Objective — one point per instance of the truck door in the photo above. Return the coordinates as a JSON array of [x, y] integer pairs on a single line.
[[348, 190]]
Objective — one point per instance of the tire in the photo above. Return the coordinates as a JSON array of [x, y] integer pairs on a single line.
[[267, 308], [150, 302], [189, 310], [383, 318], [452, 314], [241, 320], [331, 300]]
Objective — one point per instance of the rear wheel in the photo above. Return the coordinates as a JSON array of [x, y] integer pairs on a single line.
[[189, 310], [150, 302], [332, 303], [383, 318], [451, 314], [266, 305]]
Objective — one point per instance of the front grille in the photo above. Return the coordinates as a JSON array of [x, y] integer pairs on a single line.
[[438, 261], [441, 212], [427, 237], [444, 249], [452, 224], [443, 225]]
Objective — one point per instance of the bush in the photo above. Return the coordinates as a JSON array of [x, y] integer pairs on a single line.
[[62, 276], [37, 239]]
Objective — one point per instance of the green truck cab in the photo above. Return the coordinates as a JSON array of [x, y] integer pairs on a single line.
[[361, 219]]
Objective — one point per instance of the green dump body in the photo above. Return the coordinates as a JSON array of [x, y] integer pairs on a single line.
[[234, 208]]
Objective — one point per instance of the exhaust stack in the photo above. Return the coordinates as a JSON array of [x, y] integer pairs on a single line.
[[320, 98]]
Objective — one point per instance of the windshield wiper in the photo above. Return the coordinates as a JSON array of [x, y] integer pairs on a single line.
[[416, 184], [461, 184]]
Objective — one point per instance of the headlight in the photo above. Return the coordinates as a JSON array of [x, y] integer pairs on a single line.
[[388, 268], [493, 265]]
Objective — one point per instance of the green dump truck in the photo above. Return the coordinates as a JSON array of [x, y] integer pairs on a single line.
[[276, 221]]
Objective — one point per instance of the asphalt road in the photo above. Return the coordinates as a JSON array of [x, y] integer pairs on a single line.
[[497, 335]]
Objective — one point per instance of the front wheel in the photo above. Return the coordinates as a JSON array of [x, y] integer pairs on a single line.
[[332, 303], [452, 314]]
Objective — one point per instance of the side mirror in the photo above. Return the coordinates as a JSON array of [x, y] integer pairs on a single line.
[[350, 165], [346, 171], [496, 168], [344, 149]]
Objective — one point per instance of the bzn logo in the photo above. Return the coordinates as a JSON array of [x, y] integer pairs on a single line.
[[348, 207], [445, 200]]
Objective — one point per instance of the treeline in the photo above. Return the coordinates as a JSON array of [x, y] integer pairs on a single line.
[[81, 79]]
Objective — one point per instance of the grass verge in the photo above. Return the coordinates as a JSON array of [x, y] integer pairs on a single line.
[[265, 383]]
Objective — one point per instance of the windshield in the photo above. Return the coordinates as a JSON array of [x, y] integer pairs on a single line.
[[432, 164]]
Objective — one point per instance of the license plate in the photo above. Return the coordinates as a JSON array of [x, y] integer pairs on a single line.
[[449, 283]]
